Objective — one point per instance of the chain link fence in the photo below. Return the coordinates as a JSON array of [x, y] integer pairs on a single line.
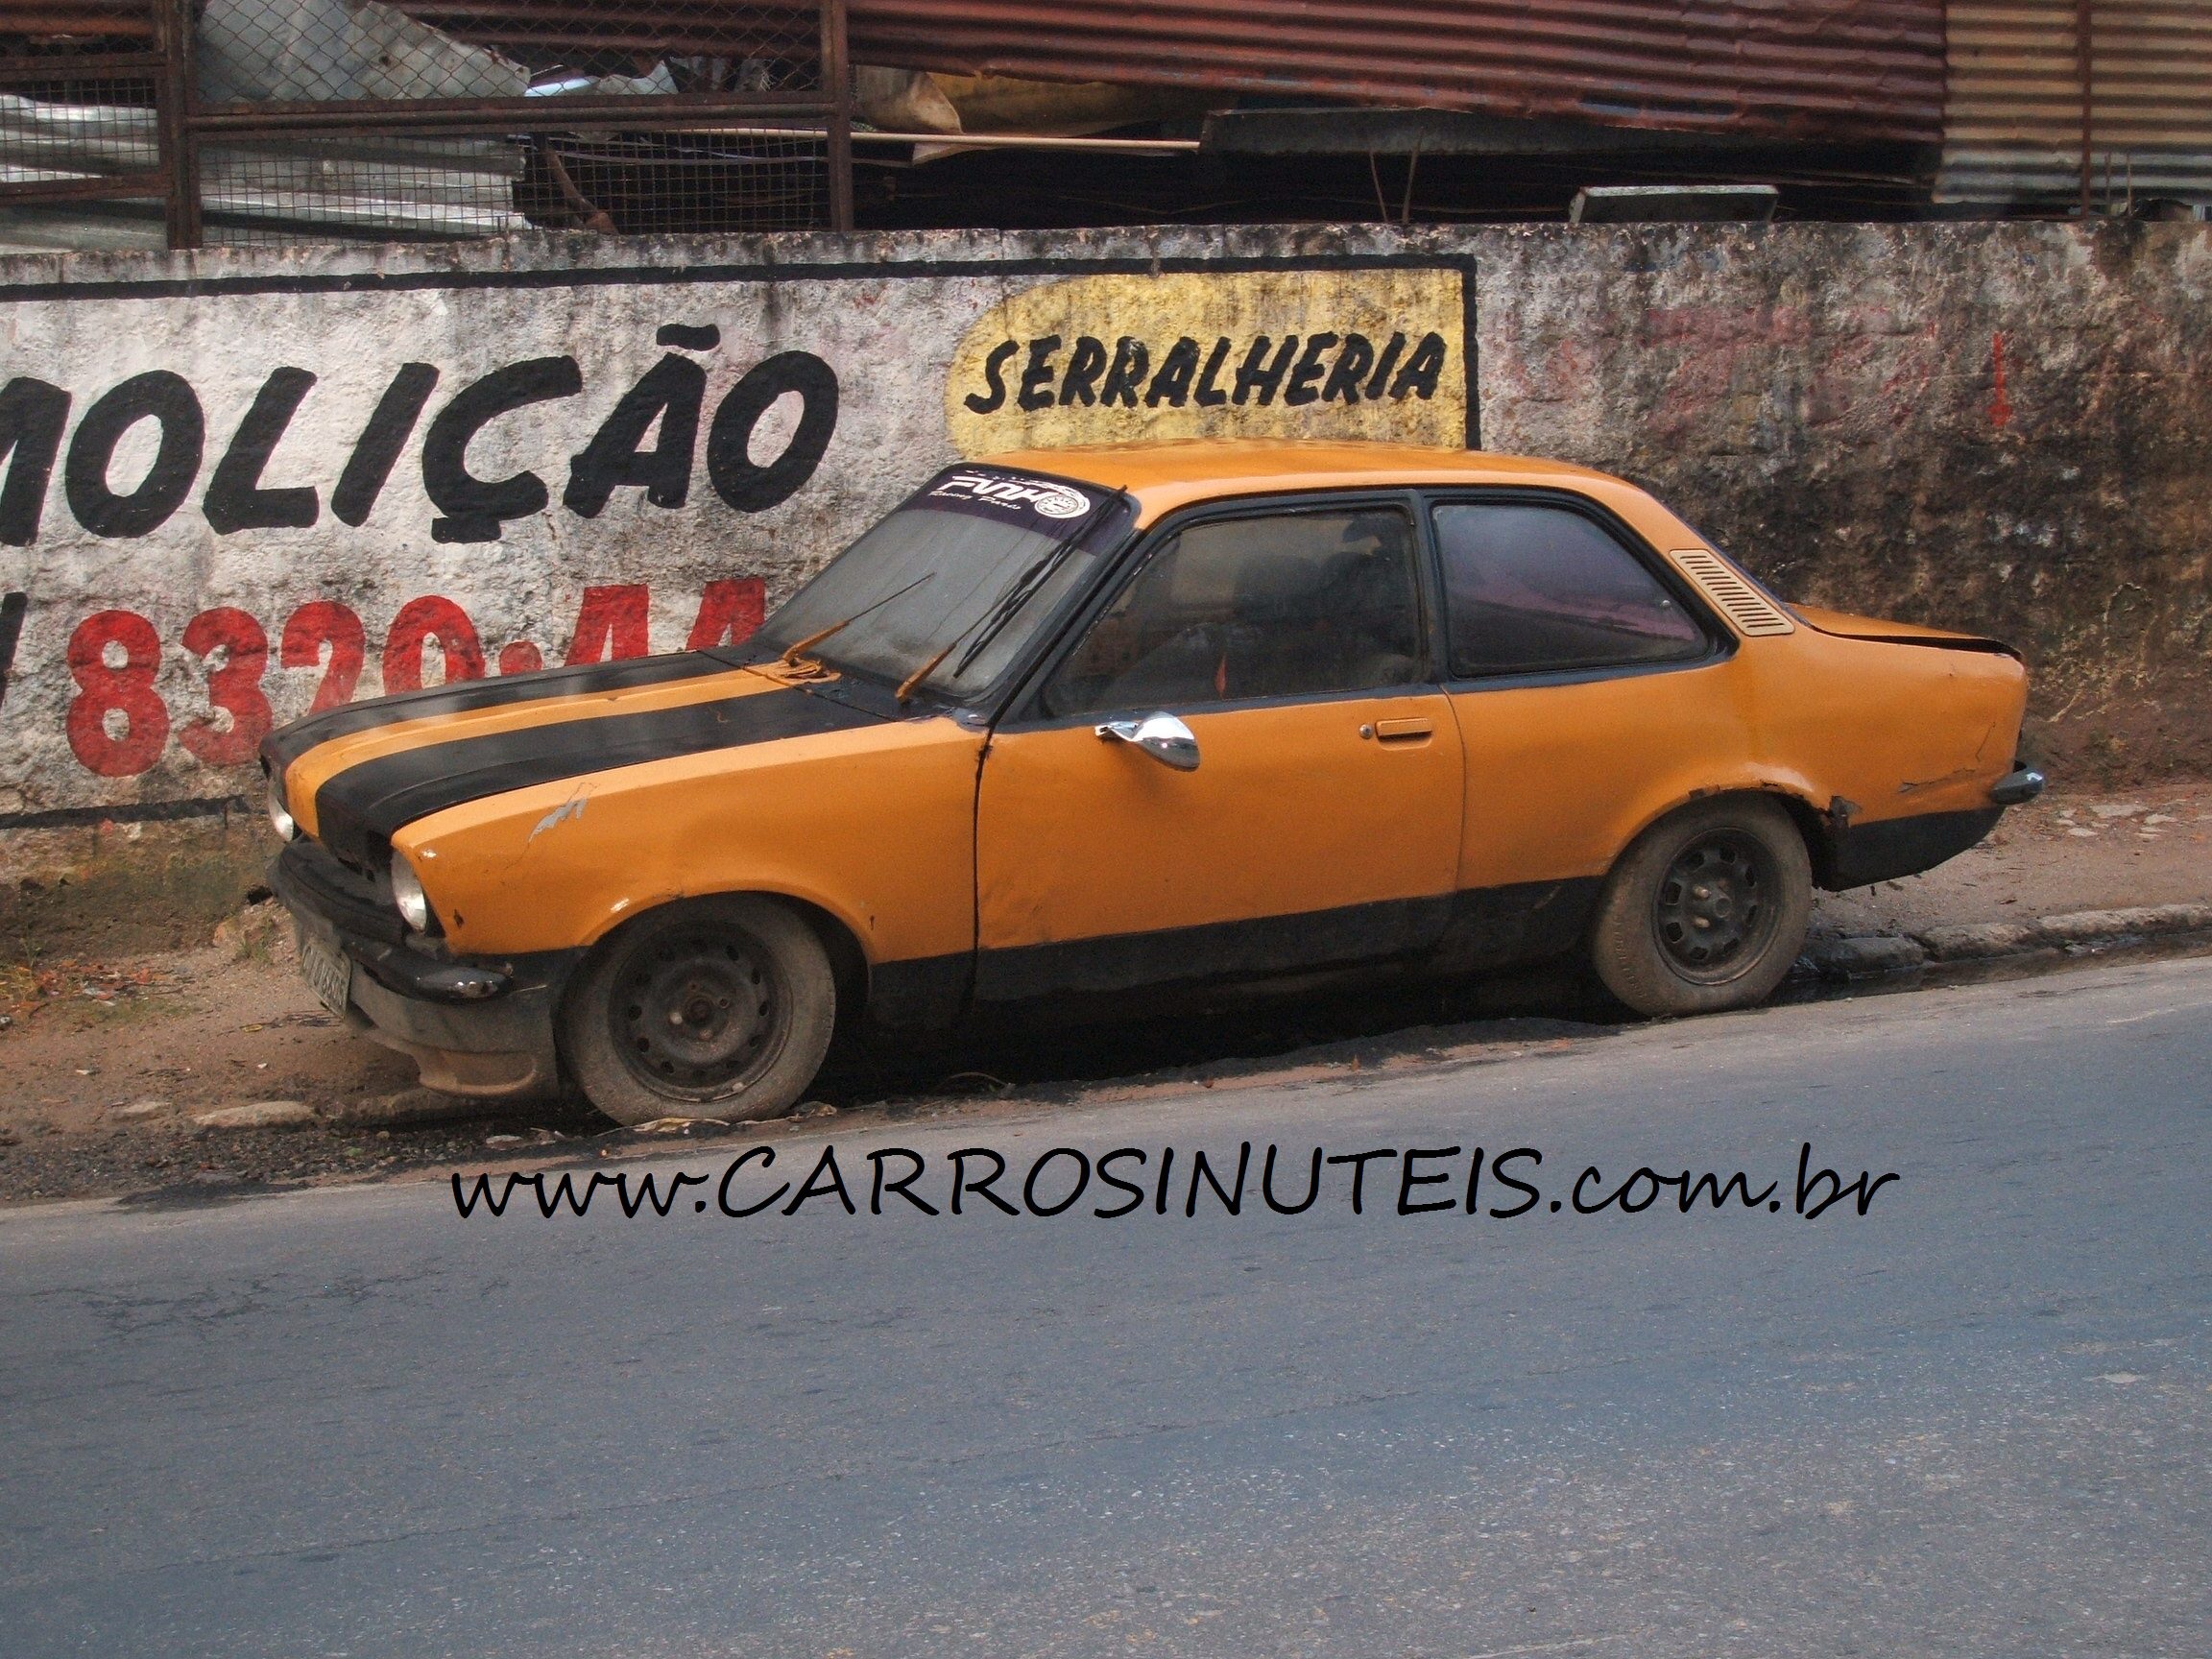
[[144, 123], [80, 96]]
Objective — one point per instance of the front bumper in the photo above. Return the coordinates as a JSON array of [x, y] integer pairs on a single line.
[[471, 1025]]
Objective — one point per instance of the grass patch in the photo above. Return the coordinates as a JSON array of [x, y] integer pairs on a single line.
[[111, 896]]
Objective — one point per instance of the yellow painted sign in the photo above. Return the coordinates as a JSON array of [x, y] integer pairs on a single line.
[[1291, 353]]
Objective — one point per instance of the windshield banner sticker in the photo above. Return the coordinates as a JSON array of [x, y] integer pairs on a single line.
[[1009, 494]]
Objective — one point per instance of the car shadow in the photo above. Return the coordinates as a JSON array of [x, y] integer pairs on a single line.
[[1047, 1046]]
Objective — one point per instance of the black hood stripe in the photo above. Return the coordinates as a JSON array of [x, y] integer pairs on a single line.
[[280, 748], [360, 809]]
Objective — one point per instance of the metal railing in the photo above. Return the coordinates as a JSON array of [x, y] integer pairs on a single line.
[[186, 122]]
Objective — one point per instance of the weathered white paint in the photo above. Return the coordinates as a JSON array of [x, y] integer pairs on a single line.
[[888, 329], [2000, 428]]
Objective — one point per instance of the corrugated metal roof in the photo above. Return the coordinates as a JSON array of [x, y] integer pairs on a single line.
[[1852, 70], [2013, 115], [782, 28]]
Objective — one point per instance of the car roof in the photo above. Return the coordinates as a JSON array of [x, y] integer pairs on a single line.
[[1170, 473]]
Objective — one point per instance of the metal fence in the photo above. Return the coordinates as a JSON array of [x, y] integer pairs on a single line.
[[132, 123]]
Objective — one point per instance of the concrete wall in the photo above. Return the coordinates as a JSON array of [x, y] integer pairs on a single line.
[[244, 482], [2001, 428]]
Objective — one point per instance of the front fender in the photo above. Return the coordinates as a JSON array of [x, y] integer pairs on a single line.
[[873, 827]]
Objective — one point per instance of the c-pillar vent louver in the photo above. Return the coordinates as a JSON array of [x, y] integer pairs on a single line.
[[1742, 603]]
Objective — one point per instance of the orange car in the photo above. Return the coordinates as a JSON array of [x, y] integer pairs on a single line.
[[1131, 719]]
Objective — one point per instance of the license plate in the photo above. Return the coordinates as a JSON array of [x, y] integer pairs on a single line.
[[330, 975]]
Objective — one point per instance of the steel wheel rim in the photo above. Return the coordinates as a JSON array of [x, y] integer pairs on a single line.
[[1717, 906], [698, 1013]]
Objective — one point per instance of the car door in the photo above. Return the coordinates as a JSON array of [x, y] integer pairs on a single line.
[[1590, 691], [1321, 824]]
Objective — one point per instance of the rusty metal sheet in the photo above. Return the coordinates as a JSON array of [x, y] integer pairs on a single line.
[[781, 37], [78, 21], [1853, 70], [2013, 116]]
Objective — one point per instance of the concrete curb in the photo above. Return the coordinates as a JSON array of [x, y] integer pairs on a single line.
[[257, 1115], [1866, 954], [409, 1109]]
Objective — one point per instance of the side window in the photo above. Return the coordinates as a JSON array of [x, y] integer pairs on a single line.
[[1281, 605], [1531, 589]]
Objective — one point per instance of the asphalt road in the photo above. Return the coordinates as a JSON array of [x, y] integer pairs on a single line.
[[1973, 1420]]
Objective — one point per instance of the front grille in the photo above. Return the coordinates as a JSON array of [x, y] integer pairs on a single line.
[[308, 877]]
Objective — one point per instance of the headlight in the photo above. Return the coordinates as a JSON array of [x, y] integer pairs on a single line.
[[287, 829], [407, 893]]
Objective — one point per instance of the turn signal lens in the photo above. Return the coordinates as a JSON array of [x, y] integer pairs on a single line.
[[407, 893], [279, 818]]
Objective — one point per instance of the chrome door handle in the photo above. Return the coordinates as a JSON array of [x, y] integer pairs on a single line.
[[1160, 735]]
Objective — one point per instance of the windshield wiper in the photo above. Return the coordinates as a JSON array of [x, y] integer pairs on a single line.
[[994, 621], [798, 648]]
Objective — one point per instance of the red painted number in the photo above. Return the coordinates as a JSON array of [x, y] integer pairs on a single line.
[[729, 610], [610, 622], [233, 687], [419, 622], [313, 626], [117, 722]]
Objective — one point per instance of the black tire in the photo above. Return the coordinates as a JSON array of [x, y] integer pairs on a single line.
[[1706, 910], [721, 1008]]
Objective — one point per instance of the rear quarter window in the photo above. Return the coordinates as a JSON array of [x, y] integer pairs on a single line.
[[1530, 588]]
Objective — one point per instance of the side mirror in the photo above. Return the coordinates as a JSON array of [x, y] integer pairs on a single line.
[[1162, 737]]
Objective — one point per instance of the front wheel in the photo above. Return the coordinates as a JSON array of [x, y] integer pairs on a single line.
[[719, 1009], [1706, 910]]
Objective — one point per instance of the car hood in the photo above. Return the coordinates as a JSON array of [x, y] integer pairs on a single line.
[[353, 776], [1845, 626]]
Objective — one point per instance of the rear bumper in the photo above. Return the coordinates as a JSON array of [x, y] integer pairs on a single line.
[[1860, 855], [471, 1025]]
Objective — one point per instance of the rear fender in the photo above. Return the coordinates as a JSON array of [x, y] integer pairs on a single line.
[[1796, 793]]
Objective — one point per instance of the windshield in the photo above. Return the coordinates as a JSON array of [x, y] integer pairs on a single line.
[[966, 570]]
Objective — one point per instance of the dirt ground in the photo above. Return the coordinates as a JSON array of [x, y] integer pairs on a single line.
[[107, 1059], [2063, 854]]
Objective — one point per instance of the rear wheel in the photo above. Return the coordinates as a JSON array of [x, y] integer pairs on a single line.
[[718, 1009], [1707, 910]]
